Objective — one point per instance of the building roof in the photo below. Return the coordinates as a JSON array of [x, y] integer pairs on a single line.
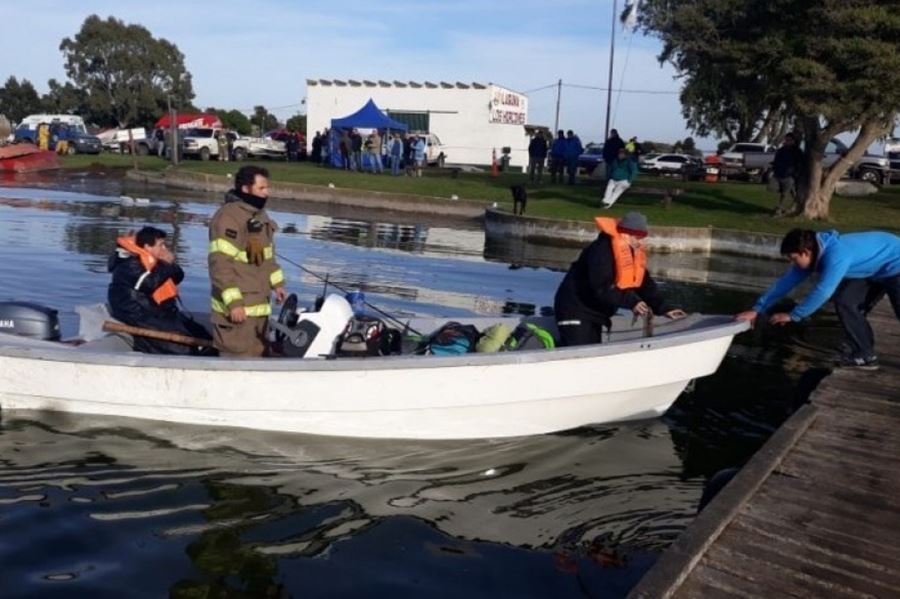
[[414, 84]]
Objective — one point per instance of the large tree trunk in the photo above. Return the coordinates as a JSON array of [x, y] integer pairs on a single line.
[[822, 181]]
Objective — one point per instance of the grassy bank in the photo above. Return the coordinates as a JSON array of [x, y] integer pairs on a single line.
[[731, 205]]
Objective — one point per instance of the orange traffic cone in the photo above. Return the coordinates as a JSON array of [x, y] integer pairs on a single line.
[[495, 169]]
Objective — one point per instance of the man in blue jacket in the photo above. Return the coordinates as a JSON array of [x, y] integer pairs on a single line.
[[856, 270], [574, 149], [558, 157]]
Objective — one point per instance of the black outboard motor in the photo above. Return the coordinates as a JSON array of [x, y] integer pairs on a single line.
[[29, 320]]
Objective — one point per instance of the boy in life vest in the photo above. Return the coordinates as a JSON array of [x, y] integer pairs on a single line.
[[144, 292], [610, 273]]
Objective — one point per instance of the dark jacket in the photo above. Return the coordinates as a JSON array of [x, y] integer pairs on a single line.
[[558, 150], [787, 162], [574, 149], [611, 148], [538, 147], [588, 290], [133, 304]]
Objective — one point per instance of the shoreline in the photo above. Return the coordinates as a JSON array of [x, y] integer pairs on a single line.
[[498, 224]]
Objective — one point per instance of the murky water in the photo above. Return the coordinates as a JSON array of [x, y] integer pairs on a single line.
[[112, 507]]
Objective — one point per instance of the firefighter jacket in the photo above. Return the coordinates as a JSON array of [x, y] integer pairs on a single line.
[[236, 280]]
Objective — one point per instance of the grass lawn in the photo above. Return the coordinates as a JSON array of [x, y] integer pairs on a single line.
[[730, 205]]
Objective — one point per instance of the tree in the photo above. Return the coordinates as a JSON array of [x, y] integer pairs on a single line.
[[232, 119], [296, 123], [65, 99], [126, 73], [263, 119], [19, 99], [830, 66]]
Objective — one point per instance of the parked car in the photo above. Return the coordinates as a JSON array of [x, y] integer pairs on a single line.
[[593, 155], [667, 163], [874, 169], [732, 159], [283, 135], [892, 153], [435, 151]]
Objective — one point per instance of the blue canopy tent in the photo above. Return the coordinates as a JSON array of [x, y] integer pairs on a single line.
[[367, 117]]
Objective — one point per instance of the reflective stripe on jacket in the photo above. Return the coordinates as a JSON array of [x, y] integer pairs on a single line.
[[631, 265]]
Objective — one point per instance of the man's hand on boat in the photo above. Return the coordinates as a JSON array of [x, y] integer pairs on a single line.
[[676, 314], [747, 316], [280, 295], [642, 309]]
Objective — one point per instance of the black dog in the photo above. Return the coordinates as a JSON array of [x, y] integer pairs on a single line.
[[520, 198]]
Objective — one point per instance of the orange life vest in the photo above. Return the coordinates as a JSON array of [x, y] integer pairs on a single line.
[[164, 292], [631, 265]]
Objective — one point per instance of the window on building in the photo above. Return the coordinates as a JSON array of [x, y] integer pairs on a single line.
[[416, 121]]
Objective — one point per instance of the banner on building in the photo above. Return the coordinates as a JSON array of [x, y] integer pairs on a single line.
[[508, 107]]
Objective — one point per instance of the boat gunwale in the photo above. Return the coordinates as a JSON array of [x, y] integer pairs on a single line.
[[53, 352]]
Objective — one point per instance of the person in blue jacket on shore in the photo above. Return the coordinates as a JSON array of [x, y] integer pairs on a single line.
[[558, 157], [855, 270], [574, 149]]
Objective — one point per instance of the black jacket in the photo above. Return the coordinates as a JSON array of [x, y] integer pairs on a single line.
[[537, 148], [136, 306], [611, 148], [787, 162], [589, 288]]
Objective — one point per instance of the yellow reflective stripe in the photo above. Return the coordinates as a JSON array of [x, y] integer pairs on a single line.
[[229, 249], [256, 310], [268, 252], [276, 277], [217, 306], [231, 295]]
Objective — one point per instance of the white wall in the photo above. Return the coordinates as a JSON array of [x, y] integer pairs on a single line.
[[459, 117]]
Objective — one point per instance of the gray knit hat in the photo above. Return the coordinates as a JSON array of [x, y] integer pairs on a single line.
[[633, 223]]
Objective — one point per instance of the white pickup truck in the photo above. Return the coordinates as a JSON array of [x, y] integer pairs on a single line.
[[202, 142], [874, 169]]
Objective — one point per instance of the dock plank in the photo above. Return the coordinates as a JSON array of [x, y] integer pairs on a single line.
[[816, 512]]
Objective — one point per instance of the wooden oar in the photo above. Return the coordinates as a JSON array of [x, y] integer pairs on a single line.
[[117, 327]]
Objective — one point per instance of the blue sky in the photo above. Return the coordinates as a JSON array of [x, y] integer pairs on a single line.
[[242, 54]]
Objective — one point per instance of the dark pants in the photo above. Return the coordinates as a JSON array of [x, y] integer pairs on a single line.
[[577, 327], [176, 322], [853, 300], [556, 169], [536, 168], [572, 169]]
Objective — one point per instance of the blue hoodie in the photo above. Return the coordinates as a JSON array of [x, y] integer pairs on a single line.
[[872, 255]]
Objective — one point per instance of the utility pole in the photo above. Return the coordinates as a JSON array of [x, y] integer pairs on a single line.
[[558, 95], [612, 53], [173, 127]]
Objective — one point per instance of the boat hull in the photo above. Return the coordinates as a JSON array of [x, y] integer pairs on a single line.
[[23, 158], [419, 398]]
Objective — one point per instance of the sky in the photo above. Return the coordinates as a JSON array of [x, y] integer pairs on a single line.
[[243, 54]]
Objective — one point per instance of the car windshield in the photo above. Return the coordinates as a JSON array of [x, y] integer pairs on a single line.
[[198, 132]]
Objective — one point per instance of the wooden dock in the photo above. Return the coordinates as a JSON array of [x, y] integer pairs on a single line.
[[816, 512]]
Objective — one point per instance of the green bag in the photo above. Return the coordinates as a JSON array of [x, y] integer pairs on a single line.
[[493, 338]]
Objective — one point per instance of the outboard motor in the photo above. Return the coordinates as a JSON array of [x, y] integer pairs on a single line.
[[311, 334], [29, 320]]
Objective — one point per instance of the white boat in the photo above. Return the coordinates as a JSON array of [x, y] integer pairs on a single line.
[[415, 397]]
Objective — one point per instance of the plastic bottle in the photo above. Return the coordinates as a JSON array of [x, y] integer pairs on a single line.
[[357, 301]]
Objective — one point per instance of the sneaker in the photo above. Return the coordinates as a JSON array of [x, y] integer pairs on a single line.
[[869, 363]]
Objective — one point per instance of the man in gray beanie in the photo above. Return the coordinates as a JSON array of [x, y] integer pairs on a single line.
[[610, 273]]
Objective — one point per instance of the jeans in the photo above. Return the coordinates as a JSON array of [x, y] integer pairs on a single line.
[[375, 160], [572, 169], [395, 165], [356, 160], [536, 167], [614, 189], [853, 301], [787, 189]]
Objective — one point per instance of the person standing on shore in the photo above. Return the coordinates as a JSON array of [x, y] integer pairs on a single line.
[[574, 149], [785, 168], [395, 153], [855, 270], [537, 155], [420, 149], [374, 146], [558, 157], [242, 266], [611, 148]]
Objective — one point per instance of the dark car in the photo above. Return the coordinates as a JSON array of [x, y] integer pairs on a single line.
[[83, 143], [593, 155]]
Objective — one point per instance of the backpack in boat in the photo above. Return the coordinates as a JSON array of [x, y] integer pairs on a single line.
[[530, 336], [493, 339], [368, 336], [452, 339]]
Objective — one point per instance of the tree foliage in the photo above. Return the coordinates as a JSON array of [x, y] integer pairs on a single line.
[[232, 119], [263, 119], [832, 66], [296, 123], [65, 98], [18, 99], [125, 72]]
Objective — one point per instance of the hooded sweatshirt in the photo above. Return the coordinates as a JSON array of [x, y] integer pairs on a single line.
[[871, 255]]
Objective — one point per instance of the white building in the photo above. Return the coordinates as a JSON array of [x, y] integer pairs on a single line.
[[471, 120]]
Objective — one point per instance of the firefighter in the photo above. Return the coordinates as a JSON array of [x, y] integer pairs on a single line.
[[242, 266]]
